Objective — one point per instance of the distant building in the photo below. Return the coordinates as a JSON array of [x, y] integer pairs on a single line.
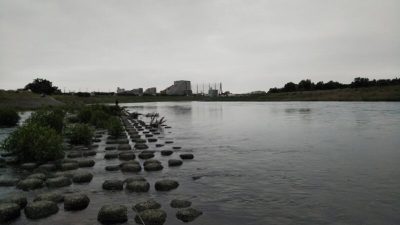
[[258, 93], [120, 90], [180, 87], [151, 91], [137, 91], [213, 92]]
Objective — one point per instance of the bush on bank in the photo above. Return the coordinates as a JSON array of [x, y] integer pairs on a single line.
[[80, 134], [114, 127], [51, 118], [8, 117], [33, 142], [97, 115]]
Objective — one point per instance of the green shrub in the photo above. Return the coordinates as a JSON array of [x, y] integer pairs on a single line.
[[53, 118], [80, 134], [114, 127], [8, 117], [85, 114], [34, 143], [98, 115], [99, 118], [73, 119]]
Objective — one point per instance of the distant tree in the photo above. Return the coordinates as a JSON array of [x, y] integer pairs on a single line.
[[360, 82], [289, 87], [320, 86], [274, 90], [42, 86], [305, 85]]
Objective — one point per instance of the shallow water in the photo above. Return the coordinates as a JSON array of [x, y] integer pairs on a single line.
[[267, 163]]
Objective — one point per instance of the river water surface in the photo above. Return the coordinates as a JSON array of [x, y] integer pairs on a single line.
[[269, 163]]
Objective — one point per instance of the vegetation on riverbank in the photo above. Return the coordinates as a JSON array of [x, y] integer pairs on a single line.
[[33, 142], [358, 82], [8, 117], [380, 93], [41, 137], [26, 100]]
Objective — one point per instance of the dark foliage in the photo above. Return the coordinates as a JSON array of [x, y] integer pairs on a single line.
[[52, 118], [114, 127], [307, 85], [8, 117], [80, 134], [83, 94], [34, 143], [42, 86]]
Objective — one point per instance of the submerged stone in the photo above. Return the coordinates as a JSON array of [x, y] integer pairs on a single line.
[[149, 204], [108, 148], [69, 166], [166, 152], [188, 215], [124, 147], [89, 153], [86, 163], [131, 167], [30, 184], [151, 217], [179, 203], [9, 211], [138, 186], [112, 168], [186, 156], [73, 202], [141, 146], [7, 182], [174, 162], [82, 177], [16, 198], [166, 185], [113, 185], [112, 214], [28, 166], [48, 167], [50, 196], [134, 178], [111, 155], [40, 209], [146, 155], [127, 156], [58, 182]]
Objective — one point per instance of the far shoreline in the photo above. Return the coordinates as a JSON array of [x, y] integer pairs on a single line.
[[27, 101]]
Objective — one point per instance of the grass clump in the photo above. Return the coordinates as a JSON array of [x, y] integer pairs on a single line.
[[80, 134], [33, 142], [114, 127], [8, 117]]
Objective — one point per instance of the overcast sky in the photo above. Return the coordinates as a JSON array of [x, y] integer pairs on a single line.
[[245, 44]]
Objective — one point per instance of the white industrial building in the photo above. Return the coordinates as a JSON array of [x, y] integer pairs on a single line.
[[180, 87]]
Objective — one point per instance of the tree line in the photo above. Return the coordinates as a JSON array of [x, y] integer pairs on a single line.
[[358, 82]]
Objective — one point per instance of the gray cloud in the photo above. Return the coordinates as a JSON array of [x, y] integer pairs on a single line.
[[247, 45]]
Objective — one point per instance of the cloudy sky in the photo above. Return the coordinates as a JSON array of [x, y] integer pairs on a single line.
[[245, 44]]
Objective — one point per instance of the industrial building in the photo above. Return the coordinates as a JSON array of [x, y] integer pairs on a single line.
[[151, 91], [180, 87], [213, 92], [137, 91]]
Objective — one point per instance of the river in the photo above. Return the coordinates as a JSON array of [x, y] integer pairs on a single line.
[[269, 163]]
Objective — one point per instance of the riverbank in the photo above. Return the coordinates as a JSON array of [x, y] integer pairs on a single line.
[[26, 100]]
